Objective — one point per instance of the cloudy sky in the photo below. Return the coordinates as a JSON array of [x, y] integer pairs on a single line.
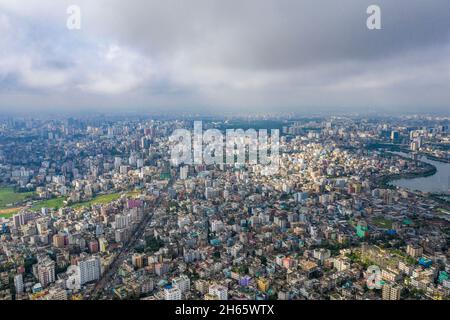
[[225, 55]]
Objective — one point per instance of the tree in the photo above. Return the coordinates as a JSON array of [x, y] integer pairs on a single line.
[[263, 260]]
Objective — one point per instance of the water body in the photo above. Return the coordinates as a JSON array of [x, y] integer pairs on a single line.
[[437, 183]]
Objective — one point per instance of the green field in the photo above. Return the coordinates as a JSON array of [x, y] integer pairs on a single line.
[[382, 223], [102, 199], [55, 203], [8, 197]]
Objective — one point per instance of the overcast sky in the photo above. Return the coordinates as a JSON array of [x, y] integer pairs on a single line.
[[225, 55]]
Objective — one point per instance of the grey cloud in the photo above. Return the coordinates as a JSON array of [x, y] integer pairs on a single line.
[[262, 54], [277, 34]]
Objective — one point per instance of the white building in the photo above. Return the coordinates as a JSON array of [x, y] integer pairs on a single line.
[[73, 278], [182, 283], [341, 264], [184, 172], [46, 272], [172, 294], [220, 291], [122, 221], [18, 283], [89, 269]]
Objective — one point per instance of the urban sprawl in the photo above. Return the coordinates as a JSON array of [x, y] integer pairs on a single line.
[[95, 209]]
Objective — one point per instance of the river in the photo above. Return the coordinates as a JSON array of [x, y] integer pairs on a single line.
[[437, 183]]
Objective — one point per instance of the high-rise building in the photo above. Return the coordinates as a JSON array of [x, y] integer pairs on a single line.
[[46, 272], [391, 292], [22, 218], [18, 283], [117, 162], [414, 250], [161, 268], [145, 143], [395, 135], [137, 260], [103, 244], [122, 221], [110, 133], [89, 269], [184, 171], [58, 240]]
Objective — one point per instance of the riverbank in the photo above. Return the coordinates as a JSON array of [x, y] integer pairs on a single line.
[[404, 149], [385, 181], [430, 157]]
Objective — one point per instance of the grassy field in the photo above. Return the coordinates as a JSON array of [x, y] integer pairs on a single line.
[[55, 203], [8, 197], [102, 199], [382, 223]]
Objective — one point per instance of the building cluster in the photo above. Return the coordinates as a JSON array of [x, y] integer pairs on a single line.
[[312, 230]]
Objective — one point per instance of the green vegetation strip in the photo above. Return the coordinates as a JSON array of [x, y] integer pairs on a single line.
[[9, 197], [102, 199], [54, 203]]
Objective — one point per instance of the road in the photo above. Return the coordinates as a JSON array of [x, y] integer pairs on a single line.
[[124, 251]]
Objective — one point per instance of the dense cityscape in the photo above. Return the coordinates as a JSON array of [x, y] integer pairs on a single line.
[[214, 159], [93, 208]]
